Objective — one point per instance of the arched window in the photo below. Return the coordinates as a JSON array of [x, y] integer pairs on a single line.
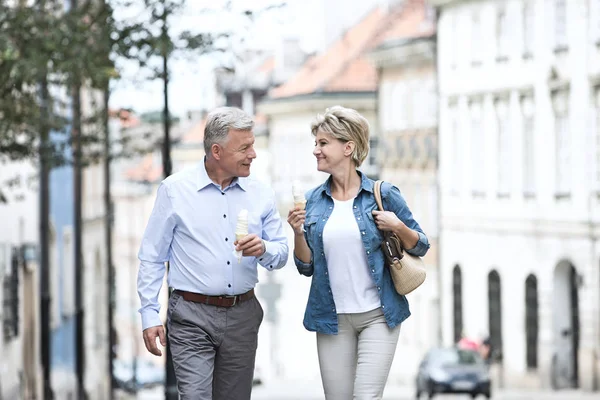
[[495, 314], [457, 302], [531, 321]]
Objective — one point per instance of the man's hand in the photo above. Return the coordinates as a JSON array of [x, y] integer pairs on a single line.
[[150, 335], [250, 245]]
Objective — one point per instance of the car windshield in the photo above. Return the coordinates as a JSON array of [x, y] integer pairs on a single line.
[[451, 357]]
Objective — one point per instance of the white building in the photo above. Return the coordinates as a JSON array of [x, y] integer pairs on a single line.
[[19, 295], [407, 112], [519, 84], [349, 73]]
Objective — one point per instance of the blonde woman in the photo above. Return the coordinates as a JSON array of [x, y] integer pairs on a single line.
[[352, 305]]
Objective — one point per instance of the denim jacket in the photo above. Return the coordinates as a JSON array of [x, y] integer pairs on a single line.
[[320, 315]]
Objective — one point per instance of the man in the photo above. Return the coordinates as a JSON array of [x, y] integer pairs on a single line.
[[213, 315]]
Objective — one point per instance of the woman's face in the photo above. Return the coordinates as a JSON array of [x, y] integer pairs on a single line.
[[330, 152]]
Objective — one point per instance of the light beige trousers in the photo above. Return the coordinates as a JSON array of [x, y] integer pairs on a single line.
[[356, 362]]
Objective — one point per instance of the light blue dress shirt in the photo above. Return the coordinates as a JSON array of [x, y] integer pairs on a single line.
[[192, 226]]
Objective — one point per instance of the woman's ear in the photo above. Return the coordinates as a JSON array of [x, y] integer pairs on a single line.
[[349, 148]]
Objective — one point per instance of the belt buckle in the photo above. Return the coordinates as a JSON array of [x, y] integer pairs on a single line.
[[235, 298]]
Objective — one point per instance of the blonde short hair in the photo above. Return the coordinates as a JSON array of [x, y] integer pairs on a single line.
[[347, 125]]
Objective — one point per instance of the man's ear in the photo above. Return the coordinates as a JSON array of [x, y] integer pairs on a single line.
[[216, 151], [349, 148]]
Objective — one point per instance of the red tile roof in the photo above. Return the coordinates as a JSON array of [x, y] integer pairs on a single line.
[[344, 67]]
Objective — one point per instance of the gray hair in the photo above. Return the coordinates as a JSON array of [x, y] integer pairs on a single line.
[[220, 121], [347, 125]]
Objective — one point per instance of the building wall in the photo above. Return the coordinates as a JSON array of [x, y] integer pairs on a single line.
[[519, 155], [96, 294], [19, 216], [408, 117]]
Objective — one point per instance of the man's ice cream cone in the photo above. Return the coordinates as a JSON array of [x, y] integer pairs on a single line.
[[241, 230]]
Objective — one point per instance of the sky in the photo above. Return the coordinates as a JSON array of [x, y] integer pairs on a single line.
[[191, 80]]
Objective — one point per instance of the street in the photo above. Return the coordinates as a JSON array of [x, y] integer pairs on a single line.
[[313, 391]]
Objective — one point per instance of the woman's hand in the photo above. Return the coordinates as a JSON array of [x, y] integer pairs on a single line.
[[387, 221], [296, 219]]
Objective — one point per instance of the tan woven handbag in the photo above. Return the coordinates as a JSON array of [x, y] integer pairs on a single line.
[[408, 271]]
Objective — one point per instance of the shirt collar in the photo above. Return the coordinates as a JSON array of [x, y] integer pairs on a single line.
[[204, 180], [365, 184]]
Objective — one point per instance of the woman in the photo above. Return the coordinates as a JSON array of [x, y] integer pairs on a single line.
[[352, 304]]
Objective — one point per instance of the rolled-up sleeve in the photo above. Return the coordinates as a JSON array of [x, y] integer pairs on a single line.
[[397, 204], [153, 254], [273, 235]]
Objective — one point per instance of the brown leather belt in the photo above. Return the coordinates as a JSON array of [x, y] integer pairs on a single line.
[[219, 301]]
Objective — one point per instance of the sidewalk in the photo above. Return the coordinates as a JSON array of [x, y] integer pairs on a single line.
[[313, 390]]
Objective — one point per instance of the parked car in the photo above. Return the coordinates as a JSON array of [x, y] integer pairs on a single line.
[[148, 375], [453, 370]]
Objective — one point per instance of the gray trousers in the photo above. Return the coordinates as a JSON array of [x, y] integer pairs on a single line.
[[213, 348]]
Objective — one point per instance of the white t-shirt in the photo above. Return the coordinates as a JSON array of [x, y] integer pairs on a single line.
[[352, 286]]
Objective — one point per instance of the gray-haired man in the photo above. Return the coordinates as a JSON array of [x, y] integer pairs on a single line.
[[213, 316]]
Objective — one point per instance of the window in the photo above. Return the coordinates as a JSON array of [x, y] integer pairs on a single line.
[[596, 128], [528, 28], [560, 24], [502, 31], [495, 314], [476, 40], [595, 23], [531, 321], [477, 150], [68, 274], [528, 147], [456, 166], [454, 45], [457, 303], [562, 143], [385, 99], [10, 301], [504, 148]]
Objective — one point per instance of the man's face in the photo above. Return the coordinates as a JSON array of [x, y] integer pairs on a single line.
[[237, 153]]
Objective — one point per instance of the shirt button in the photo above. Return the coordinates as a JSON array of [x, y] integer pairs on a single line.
[[382, 306], [379, 288], [330, 207], [228, 263], [368, 252], [229, 285], [260, 259], [270, 266], [226, 239], [223, 193], [355, 207], [373, 270], [323, 219], [322, 254], [333, 309], [325, 272], [358, 218], [363, 232], [224, 216]]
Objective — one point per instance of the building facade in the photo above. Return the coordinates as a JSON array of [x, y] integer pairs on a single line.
[[407, 112], [519, 107]]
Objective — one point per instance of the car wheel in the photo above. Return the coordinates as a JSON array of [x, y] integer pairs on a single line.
[[474, 395], [488, 395], [431, 394]]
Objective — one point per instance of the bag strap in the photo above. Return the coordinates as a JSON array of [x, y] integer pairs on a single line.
[[377, 193]]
